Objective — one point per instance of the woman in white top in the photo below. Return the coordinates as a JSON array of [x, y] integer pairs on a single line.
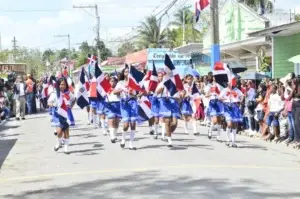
[[231, 96], [215, 107], [128, 107], [112, 110], [169, 110], [186, 107]]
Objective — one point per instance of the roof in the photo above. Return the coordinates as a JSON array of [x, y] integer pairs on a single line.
[[282, 30], [189, 48]]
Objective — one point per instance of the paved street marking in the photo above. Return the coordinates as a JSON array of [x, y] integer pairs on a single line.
[[185, 166]]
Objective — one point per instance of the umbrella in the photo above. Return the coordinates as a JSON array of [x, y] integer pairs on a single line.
[[295, 59], [253, 76], [236, 67]]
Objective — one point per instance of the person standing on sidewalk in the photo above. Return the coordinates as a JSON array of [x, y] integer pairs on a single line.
[[29, 94], [20, 97]]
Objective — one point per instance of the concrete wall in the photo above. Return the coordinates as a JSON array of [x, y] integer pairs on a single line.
[[285, 48]]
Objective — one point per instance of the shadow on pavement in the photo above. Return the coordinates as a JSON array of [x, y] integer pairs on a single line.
[[152, 184], [176, 147], [5, 147], [5, 127], [84, 143]]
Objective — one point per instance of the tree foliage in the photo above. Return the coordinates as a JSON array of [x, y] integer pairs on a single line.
[[297, 17], [125, 48]]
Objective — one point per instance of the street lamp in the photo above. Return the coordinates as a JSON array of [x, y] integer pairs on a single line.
[[69, 44]]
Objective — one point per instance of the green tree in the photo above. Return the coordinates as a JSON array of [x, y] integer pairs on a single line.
[[297, 17], [47, 54], [255, 5], [126, 48], [63, 53], [151, 34]]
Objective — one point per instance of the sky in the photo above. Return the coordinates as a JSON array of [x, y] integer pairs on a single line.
[[37, 29]]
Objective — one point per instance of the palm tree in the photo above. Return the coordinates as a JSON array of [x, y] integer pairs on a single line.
[[184, 15], [151, 34]]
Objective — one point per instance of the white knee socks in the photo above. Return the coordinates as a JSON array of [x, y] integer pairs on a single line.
[[155, 129], [186, 127], [58, 142], [123, 137], [163, 130], [95, 119], [233, 136], [194, 126], [66, 141], [228, 131], [218, 131], [112, 133], [132, 134]]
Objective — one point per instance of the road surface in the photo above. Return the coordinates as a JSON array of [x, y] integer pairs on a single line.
[[195, 167]]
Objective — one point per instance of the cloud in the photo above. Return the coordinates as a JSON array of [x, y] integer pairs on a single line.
[[297, 10]]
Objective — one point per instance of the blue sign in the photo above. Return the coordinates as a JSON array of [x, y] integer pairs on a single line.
[[180, 61]]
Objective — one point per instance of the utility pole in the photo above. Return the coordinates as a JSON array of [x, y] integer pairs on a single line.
[[97, 26], [215, 50], [14, 48], [183, 26], [69, 54]]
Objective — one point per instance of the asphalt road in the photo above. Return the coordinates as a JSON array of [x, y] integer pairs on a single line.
[[194, 168]]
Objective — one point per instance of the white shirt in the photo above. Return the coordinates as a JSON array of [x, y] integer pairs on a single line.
[[164, 92], [232, 96], [52, 100], [122, 85], [213, 90], [188, 90], [251, 94], [275, 103], [112, 98], [22, 89]]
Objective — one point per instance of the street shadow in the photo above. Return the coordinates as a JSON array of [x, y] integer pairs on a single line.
[[10, 135], [5, 147], [82, 129], [183, 140], [249, 146], [83, 151], [155, 184], [36, 117], [81, 135], [176, 146], [83, 143], [5, 127]]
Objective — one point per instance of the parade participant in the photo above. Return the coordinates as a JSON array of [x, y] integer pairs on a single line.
[[186, 108], [113, 112], [231, 96], [70, 113], [128, 107], [169, 110], [155, 107], [63, 96], [93, 97], [215, 107]]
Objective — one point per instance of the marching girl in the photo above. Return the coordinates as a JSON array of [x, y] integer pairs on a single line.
[[63, 96], [71, 92], [155, 107], [231, 96], [113, 112], [169, 110], [93, 102], [215, 107], [186, 108], [128, 108]]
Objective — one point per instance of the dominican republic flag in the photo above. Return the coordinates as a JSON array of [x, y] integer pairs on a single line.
[[82, 95], [195, 98], [62, 105], [144, 110], [172, 80], [91, 59], [103, 84], [135, 79], [153, 79], [199, 6]]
